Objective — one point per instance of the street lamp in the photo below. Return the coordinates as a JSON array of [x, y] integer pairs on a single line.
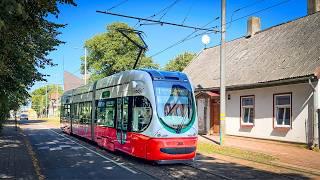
[[205, 40]]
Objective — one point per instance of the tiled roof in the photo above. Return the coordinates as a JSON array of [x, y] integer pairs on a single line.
[[289, 50]]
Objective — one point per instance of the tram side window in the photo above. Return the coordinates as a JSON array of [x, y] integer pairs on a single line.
[[75, 111], [106, 111], [119, 113], [85, 112], [66, 111], [142, 113], [125, 111]]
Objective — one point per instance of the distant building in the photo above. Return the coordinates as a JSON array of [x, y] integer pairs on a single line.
[[54, 104], [71, 81], [272, 79]]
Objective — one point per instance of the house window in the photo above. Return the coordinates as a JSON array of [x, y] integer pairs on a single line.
[[247, 110], [282, 110]]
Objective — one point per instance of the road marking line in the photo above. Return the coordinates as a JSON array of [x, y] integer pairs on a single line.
[[118, 164]]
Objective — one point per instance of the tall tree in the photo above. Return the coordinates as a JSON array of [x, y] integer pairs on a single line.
[[41, 97], [26, 38], [111, 52], [179, 62]]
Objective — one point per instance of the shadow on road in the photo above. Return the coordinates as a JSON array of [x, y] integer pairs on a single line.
[[212, 140], [203, 167], [27, 122]]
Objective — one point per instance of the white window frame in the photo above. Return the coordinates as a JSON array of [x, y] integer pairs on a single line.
[[247, 106], [275, 107]]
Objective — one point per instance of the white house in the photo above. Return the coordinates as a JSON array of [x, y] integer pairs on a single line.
[[272, 79]]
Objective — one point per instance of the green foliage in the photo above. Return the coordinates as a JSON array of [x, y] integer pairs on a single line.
[[40, 98], [26, 38], [180, 62], [110, 52]]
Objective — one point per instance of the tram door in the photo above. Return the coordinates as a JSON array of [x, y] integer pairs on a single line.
[[122, 119]]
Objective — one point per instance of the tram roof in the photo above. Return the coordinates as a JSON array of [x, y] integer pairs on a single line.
[[127, 76]]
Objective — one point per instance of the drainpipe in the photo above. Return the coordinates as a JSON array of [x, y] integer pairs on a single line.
[[318, 127], [315, 119]]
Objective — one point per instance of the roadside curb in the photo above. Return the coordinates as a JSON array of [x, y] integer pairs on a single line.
[[273, 163], [296, 168]]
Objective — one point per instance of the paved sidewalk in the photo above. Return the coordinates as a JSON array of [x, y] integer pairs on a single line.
[[289, 155], [15, 160]]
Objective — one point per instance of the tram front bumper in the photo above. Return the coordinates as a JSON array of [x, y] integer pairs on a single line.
[[171, 148]]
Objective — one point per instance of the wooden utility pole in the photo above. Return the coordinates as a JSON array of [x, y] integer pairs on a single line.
[[222, 72]]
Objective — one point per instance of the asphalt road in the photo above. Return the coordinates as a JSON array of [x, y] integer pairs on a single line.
[[62, 156]]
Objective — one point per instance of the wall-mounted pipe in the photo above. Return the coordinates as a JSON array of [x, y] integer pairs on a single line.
[[315, 119]]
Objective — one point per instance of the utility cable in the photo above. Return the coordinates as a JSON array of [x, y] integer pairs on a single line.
[[241, 8], [168, 9], [259, 11], [188, 12], [188, 36], [155, 14], [117, 5], [184, 39]]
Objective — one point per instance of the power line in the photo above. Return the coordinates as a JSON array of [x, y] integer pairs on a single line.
[[188, 12], [259, 11], [188, 37], [158, 22], [168, 9], [117, 5], [241, 8], [180, 42], [154, 15]]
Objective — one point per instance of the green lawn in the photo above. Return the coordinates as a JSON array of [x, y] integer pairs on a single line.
[[208, 148]]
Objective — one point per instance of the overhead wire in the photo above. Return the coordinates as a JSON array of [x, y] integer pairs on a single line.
[[117, 5], [188, 37], [242, 8], [158, 13], [188, 12], [184, 39], [259, 11], [168, 9]]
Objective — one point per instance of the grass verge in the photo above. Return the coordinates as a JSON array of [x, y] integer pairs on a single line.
[[52, 121], [207, 148]]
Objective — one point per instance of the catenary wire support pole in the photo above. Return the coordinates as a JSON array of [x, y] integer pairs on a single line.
[[222, 72], [47, 101], [85, 66]]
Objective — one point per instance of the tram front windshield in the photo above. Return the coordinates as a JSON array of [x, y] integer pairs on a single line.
[[174, 103]]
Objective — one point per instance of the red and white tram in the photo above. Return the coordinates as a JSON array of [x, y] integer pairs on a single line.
[[149, 114]]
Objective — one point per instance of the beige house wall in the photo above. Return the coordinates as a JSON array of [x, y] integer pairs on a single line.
[[302, 103]]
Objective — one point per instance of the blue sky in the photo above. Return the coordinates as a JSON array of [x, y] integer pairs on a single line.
[[83, 23]]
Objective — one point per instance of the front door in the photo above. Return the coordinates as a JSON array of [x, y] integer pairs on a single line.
[[122, 119], [215, 119]]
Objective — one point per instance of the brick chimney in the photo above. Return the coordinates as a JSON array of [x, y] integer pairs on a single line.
[[253, 26], [313, 6]]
